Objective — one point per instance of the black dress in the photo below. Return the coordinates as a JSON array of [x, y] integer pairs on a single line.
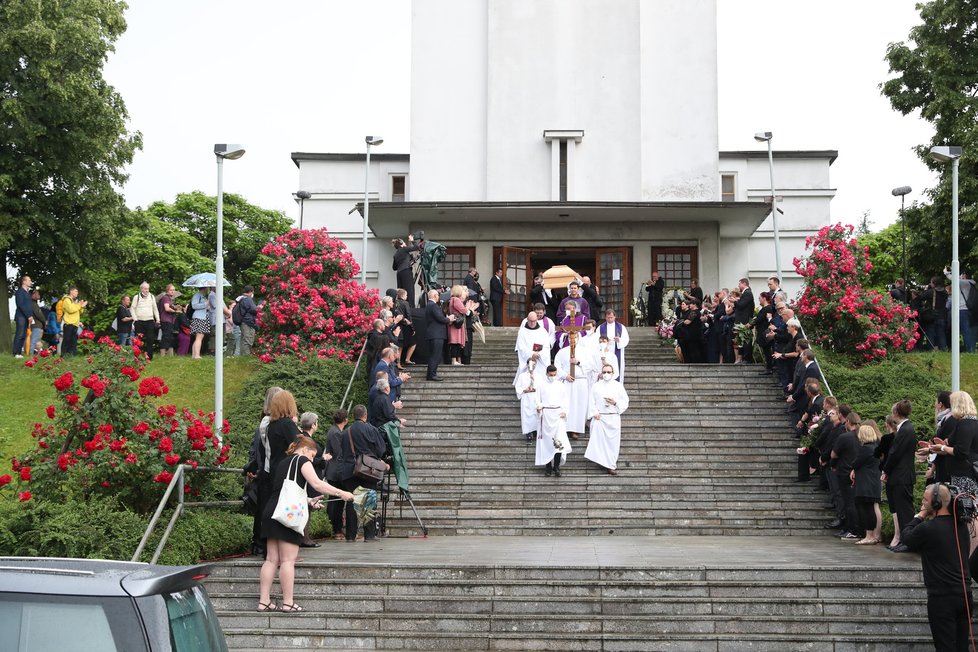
[[270, 528]]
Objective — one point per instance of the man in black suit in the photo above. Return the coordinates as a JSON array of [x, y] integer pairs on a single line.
[[541, 295], [743, 313], [471, 281], [590, 293], [496, 294], [436, 333], [807, 370], [361, 438], [655, 287], [898, 470]]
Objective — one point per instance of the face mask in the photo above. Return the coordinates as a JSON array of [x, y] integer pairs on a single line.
[[551, 379], [607, 375]]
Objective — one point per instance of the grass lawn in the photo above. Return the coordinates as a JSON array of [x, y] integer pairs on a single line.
[[27, 392]]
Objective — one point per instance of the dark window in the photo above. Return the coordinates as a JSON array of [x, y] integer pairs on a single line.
[[456, 265], [676, 265], [563, 170], [728, 187], [398, 185]]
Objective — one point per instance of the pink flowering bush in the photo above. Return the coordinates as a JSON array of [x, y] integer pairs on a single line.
[[837, 311], [312, 306], [104, 435]]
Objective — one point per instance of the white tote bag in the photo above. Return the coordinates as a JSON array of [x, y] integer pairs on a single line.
[[292, 509]]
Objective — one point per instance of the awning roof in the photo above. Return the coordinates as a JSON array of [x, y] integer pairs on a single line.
[[736, 219]]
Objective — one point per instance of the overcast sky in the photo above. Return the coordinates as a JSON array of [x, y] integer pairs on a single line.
[[309, 75]]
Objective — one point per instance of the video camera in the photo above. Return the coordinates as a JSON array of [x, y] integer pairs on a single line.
[[962, 505]]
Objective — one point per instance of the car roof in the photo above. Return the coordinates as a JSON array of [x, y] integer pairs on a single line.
[[95, 577]]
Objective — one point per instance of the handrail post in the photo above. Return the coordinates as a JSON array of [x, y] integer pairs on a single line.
[[354, 374], [159, 511]]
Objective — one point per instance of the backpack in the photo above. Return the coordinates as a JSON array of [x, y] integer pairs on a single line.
[[236, 317], [971, 301], [59, 308]]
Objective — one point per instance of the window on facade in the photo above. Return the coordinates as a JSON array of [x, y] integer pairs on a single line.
[[456, 265], [398, 186], [563, 170], [676, 265], [728, 187]]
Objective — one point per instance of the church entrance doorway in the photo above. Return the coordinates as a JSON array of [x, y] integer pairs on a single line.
[[609, 268]]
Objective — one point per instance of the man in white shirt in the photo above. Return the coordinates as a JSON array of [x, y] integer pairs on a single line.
[[145, 317]]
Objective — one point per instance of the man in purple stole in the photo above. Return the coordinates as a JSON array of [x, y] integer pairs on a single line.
[[617, 335]]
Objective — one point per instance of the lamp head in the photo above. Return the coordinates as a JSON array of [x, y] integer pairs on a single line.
[[303, 194], [370, 140], [945, 153], [229, 151], [901, 191], [763, 136]]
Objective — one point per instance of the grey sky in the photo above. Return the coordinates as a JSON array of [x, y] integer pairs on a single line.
[[309, 75]]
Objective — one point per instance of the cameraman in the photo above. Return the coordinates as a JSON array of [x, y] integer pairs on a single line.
[[943, 547]]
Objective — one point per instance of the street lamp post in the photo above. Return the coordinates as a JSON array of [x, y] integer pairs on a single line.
[[302, 196], [231, 152], [762, 137], [947, 154], [370, 140], [902, 193]]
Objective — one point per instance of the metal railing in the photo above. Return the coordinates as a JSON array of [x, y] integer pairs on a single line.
[[353, 375], [177, 482]]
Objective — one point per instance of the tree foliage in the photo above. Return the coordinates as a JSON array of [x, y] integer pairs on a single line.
[[885, 254], [936, 74], [64, 146]]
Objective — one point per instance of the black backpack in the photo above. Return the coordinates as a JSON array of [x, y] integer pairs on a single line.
[[236, 317], [971, 301]]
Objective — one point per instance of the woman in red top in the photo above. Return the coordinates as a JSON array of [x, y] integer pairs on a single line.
[[457, 333]]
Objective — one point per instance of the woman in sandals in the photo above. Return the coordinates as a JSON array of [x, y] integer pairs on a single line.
[[283, 542], [865, 476]]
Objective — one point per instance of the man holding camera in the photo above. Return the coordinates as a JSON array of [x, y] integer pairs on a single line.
[[943, 545]]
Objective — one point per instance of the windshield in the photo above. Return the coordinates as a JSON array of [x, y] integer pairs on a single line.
[[40, 623]]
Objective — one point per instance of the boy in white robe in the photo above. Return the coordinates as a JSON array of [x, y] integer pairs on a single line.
[[577, 390], [552, 443], [602, 353], [526, 383], [608, 401]]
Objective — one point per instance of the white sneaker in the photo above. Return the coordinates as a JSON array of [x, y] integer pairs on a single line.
[[18, 356]]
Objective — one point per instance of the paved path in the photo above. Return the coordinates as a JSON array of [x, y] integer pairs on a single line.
[[632, 552]]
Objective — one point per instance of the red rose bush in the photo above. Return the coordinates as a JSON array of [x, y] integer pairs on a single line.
[[312, 306], [105, 434], [837, 311]]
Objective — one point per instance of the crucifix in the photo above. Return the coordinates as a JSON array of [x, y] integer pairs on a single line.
[[572, 330]]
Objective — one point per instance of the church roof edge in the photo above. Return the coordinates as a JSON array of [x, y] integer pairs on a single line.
[[830, 154], [330, 156]]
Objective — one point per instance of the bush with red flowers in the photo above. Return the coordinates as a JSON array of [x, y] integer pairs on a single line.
[[838, 312], [312, 306], [115, 441]]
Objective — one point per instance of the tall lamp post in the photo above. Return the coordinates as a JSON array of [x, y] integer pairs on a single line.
[[949, 154], [302, 196], [902, 193], [370, 140], [765, 137], [231, 152]]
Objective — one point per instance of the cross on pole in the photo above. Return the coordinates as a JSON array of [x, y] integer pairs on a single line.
[[572, 330]]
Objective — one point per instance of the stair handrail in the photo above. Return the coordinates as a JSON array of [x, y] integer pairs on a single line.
[[177, 482], [353, 374]]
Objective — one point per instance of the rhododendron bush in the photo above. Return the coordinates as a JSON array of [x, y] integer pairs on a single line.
[[312, 306], [104, 434], [837, 311]]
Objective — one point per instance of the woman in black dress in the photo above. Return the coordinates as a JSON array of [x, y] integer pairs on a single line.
[[865, 476], [960, 450], [283, 542], [282, 427]]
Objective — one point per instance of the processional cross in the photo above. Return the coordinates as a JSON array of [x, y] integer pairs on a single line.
[[572, 331]]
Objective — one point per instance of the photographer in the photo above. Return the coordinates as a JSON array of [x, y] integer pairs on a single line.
[[404, 264], [943, 546]]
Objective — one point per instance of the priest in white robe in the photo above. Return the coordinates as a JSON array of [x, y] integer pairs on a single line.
[[618, 336], [602, 353], [577, 389], [553, 446], [527, 382], [608, 401], [532, 343]]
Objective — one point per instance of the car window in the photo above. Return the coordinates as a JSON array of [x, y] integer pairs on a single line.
[[39, 623], [193, 624]]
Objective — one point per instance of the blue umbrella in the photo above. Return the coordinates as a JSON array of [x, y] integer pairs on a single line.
[[204, 280]]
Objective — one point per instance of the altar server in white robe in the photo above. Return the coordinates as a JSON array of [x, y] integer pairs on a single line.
[[532, 343], [527, 382], [618, 336], [547, 323], [608, 401], [552, 443], [577, 388], [602, 354]]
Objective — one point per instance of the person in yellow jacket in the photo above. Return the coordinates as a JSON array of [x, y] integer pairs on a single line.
[[72, 321]]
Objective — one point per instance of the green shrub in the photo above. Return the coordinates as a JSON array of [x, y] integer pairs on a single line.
[[317, 384]]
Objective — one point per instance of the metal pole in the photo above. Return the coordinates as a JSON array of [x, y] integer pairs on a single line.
[[955, 285], [903, 226], [219, 290], [366, 214], [774, 214], [302, 210]]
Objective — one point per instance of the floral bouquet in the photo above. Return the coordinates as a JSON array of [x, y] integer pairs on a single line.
[[365, 503], [638, 309], [743, 335]]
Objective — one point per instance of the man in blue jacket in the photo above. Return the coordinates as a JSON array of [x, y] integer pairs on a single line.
[[23, 315]]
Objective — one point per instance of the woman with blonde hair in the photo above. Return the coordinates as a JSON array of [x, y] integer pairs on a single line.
[[283, 426], [283, 542], [457, 333], [961, 447], [865, 476]]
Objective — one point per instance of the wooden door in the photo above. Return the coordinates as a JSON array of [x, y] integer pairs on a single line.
[[614, 280], [518, 279]]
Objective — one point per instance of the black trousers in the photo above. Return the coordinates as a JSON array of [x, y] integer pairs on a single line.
[[405, 281], [948, 615], [369, 529], [436, 349], [848, 496], [555, 462], [497, 312], [69, 341], [146, 330], [900, 499], [334, 510]]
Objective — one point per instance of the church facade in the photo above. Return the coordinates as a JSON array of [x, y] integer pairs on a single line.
[[582, 134]]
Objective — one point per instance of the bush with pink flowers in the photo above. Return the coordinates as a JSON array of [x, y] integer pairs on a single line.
[[837, 311], [104, 435], [313, 307]]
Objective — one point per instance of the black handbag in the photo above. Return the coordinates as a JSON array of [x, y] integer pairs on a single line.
[[367, 467]]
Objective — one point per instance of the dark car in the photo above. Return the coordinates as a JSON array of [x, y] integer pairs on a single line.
[[89, 605]]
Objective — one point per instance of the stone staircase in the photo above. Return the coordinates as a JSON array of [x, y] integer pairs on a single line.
[[702, 542]]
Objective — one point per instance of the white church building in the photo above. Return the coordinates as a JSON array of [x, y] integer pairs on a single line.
[[581, 133]]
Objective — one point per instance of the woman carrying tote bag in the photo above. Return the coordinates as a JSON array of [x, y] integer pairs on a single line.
[[282, 545]]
